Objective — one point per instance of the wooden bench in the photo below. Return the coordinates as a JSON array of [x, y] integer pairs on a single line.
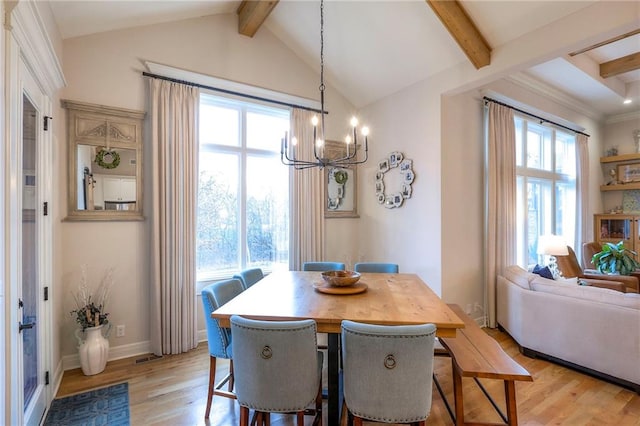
[[475, 354]]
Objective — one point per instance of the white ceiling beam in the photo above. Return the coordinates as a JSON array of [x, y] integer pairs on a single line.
[[463, 30], [592, 69], [252, 14]]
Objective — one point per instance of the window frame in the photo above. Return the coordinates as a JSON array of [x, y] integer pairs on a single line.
[[242, 151], [546, 178]]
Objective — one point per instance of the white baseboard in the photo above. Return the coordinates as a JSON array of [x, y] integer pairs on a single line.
[[70, 362], [56, 380]]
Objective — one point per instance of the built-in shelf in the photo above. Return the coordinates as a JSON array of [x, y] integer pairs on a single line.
[[620, 187], [619, 158]]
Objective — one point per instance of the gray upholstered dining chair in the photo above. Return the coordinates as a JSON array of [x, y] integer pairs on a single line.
[[249, 276], [391, 268], [388, 372], [323, 266], [218, 338], [278, 369]]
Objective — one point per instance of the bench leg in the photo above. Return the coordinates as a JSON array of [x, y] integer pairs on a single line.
[[457, 393], [510, 396]]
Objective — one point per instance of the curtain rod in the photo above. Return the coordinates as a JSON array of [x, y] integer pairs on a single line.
[[230, 92], [486, 99]]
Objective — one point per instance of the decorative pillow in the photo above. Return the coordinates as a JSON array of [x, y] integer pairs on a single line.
[[544, 272]]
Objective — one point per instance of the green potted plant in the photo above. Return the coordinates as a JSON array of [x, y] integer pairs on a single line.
[[615, 259]]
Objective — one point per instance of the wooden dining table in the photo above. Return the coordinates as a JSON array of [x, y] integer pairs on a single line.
[[389, 299]]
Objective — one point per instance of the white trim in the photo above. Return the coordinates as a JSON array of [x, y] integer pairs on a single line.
[[553, 94], [531, 110], [35, 46], [70, 362], [207, 80], [627, 116]]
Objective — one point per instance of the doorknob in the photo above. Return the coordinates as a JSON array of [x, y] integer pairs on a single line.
[[22, 326]]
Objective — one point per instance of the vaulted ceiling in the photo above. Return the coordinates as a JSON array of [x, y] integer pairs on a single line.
[[376, 48]]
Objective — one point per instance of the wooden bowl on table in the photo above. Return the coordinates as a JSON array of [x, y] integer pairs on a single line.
[[340, 278]]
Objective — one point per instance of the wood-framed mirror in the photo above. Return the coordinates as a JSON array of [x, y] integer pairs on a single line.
[[341, 185], [104, 162]]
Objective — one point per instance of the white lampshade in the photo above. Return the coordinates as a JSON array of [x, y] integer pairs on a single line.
[[552, 245]]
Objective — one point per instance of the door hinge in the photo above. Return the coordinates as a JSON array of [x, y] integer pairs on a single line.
[[46, 122], [46, 377], [46, 294], [46, 208]]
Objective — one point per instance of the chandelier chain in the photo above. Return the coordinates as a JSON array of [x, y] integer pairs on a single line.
[[350, 156], [321, 46]]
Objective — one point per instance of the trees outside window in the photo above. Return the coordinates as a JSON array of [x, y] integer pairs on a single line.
[[546, 186], [243, 189]]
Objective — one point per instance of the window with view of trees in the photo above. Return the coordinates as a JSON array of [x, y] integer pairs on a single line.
[[243, 189], [546, 186]]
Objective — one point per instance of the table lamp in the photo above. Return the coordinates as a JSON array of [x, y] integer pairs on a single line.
[[552, 246]]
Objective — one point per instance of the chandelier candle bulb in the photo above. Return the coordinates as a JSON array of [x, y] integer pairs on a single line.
[[350, 158]]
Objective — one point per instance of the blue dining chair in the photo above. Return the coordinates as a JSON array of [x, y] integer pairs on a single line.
[[249, 276], [278, 369], [388, 372], [323, 266], [391, 268], [218, 338]]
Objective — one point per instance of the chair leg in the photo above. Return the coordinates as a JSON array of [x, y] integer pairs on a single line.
[[212, 384], [300, 416], [244, 416], [267, 419], [357, 421], [318, 418], [231, 381]]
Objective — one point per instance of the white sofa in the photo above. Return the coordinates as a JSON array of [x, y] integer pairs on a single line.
[[593, 329]]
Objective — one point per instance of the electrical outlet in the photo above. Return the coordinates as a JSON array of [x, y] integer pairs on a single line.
[[120, 331]]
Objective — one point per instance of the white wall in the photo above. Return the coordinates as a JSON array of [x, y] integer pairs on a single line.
[[106, 69], [409, 122]]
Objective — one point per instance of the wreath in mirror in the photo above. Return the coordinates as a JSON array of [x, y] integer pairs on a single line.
[[107, 158], [393, 180], [336, 191]]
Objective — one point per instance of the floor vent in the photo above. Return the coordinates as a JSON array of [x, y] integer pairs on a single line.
[[147, 359]]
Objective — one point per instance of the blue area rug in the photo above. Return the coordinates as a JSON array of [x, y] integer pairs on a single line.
[[106, 406]]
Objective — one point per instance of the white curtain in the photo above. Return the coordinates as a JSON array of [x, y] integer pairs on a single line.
[[307, 198], [583, 222], [174, 138], [500, 210]]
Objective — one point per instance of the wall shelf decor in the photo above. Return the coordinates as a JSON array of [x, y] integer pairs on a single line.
[[394, 179]]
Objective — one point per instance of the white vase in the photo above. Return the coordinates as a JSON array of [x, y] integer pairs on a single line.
[[93, 349]]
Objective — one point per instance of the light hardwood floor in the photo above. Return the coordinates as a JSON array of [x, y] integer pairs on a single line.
[[172, 391]]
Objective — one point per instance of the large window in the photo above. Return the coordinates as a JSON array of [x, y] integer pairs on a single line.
[[243, 189], [546, 186]]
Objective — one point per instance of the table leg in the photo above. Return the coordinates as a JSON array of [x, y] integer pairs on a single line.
[[510, 396], [333, 379]]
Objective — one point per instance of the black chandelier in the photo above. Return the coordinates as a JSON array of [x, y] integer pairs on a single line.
[[288, 150]]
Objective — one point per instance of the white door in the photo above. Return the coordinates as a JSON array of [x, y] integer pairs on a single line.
[[33, 251]]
